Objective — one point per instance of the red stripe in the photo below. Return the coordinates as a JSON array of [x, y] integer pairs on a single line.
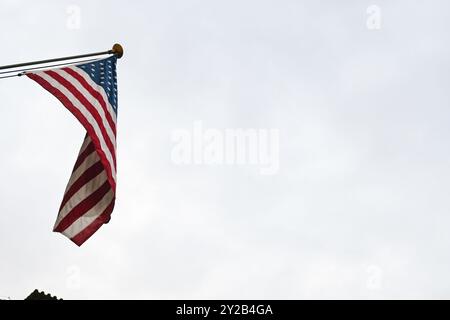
[[83, 207], [83, 155], [87, 176], [68, 104], [94, 93], [87, 232], [91, 109]]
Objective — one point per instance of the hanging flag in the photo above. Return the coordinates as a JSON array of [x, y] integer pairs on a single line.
[[89, 92]]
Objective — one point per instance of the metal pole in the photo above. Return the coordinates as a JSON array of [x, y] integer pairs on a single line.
[[116, 49]]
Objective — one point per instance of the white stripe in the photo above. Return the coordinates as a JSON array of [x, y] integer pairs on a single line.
[[97, 88], [81, 194], [87, 163], [85, 113], [77, 84], [85, 220], [86, 142], [75, 175], [91, 100]]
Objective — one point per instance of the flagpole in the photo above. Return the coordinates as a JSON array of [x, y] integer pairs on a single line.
[[116, 49]]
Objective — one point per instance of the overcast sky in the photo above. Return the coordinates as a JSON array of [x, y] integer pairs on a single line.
[[359, 207]]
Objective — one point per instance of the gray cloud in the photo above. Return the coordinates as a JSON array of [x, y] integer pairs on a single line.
[[358, 208]]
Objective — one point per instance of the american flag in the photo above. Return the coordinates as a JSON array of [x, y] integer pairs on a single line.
[[89, 92]]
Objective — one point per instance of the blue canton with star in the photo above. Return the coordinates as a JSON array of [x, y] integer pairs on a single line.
[[103, 72]]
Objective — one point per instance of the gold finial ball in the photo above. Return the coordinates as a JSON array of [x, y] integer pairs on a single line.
[[117, 50]]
